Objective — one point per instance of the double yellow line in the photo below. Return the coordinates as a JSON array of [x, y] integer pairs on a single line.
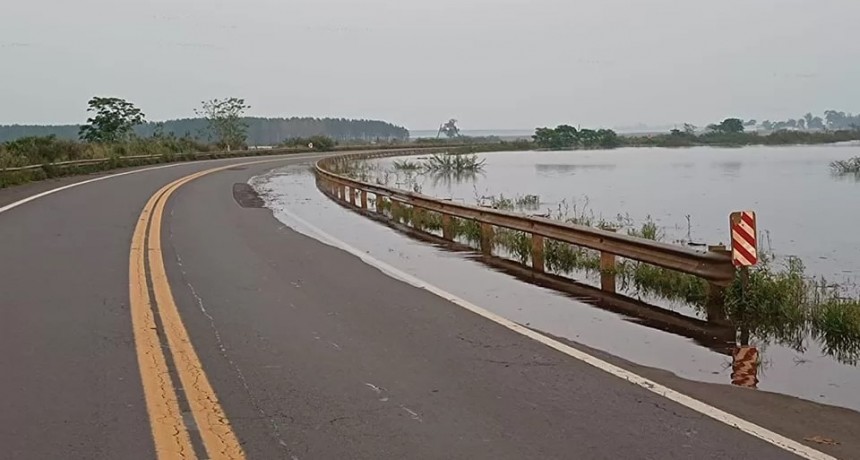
[[149, 292]]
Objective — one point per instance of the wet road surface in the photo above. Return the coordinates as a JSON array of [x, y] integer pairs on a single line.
[[311, 352]]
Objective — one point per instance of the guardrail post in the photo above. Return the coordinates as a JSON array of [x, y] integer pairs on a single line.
[[395, 208], [363, 199], [417, 217], [377, 203], [715, 307], [537, 253], [355, 193], [487, 238], [340, 191], [607, 271], [447, 227], [608, 268]]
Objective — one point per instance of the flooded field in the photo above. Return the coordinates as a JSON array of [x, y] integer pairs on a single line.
[[803, 209], [668, 185]]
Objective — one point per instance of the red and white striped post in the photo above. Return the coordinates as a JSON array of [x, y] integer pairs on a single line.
[[744, 255], [744, 252]]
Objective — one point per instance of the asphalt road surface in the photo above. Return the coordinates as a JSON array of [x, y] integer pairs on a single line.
[[280, 346]]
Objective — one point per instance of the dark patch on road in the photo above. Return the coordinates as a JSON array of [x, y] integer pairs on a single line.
[[237, 168], [246, 196]]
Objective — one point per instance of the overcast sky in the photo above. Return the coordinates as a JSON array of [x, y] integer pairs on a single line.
[[488, 63]]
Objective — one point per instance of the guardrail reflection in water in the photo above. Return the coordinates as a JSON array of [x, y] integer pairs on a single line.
[[387, 203]]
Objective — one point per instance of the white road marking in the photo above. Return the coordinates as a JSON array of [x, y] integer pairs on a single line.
[[77, 184], [701, 407], [136, 171]]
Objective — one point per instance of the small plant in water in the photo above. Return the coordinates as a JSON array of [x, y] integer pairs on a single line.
[[455, 163], [406, 165], [844, 167]]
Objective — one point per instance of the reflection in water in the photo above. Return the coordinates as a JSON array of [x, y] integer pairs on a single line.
[[561, 169], [677, 342], [730, 168], [449, 178], [731, 333]]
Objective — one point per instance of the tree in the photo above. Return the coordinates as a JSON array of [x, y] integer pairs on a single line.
[[809, 119], [114, 120], [750, 123], [728, 126], [608, 138], [689, 129], [588, 138], [817, 123], [767, 124], [546, 138], [566, 136], [225, 118], [449, 129]]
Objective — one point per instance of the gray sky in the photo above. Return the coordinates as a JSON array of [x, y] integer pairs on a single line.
[[488, 63]]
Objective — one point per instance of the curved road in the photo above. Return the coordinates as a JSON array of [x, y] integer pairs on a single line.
[[143, 322]]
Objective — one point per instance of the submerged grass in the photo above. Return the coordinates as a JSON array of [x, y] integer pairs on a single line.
[[844, 167], [778, 303], [454, 162]]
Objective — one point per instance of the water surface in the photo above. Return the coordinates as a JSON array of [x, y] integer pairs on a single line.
[[809, 374], [802, 208]]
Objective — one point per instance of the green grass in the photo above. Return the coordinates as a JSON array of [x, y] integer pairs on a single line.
[[518, 244], [454, 163], [779, 304]]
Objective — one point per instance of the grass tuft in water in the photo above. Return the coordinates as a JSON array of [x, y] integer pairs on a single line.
[[844, 167], [454, 163]]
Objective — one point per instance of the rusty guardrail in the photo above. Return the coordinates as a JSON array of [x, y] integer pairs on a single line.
[[714, 266]]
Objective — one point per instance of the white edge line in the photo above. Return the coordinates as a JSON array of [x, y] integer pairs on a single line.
[[654, 387], [14, 205], [76, 184]]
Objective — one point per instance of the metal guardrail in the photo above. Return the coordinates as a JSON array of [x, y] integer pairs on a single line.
[[714, 266]]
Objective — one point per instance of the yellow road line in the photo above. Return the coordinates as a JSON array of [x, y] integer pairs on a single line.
[[169, 432], [215, 430]]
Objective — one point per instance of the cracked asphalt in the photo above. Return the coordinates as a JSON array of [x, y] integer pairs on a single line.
[[312, 353]]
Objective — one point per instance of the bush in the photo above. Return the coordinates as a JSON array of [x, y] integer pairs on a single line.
[[320, 143], [45, 149]]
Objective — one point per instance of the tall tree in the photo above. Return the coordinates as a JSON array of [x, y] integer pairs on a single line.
[[689, 129], [728, 126], [449, 129], [817, 123], [809, 119], [114, 120], [225, 118]]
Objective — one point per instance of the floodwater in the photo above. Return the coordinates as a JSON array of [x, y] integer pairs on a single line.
[[802, 209], [707, 184]]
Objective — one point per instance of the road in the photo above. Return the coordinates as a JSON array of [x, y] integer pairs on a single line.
[[143, 322]]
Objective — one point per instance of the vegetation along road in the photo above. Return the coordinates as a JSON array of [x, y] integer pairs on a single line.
[[162, 313]]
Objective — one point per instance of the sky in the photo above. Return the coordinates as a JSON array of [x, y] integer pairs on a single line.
[[491, 64]]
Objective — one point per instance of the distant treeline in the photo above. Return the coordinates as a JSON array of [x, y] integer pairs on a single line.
[[261, 131]]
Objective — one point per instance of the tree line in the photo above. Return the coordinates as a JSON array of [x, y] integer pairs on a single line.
[[568, 137], [260, 131], [832, 120]]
